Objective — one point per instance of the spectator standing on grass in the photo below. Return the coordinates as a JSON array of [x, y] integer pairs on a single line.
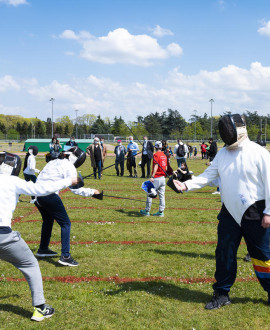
[[29, 167], [96, 157], [180, 152], [158, 180], [72, 142], [195, 150], [147, 155], [243, 170], [13, 248], [120, 152], [212, 149], [55, 148], [132, 149], [203, 150]]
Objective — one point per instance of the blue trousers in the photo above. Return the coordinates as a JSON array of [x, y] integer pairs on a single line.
[[51, 207], [229, 238], [99, 167]]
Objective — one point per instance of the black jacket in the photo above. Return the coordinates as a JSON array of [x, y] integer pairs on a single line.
[[149, 149]]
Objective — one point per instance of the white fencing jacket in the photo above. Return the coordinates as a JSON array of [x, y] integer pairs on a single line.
[[244, 176], [31, 166], [60, 169], [12, 187]]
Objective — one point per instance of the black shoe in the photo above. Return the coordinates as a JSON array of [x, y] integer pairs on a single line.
[[68, 261], [130, 175], [46, 253], [247, 258], [218, 300], [143, 176]]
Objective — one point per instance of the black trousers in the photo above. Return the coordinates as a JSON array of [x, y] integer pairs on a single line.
[[146, 160], [229, 238]]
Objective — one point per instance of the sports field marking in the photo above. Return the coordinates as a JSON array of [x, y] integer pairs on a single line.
[[117, 279]]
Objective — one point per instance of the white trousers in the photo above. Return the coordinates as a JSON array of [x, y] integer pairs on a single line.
[[159, 184]]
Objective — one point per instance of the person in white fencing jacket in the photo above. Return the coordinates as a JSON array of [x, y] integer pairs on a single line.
[[51, 207], [13, 248], [243, 170]]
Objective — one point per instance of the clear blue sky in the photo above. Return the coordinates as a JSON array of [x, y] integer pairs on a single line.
[[130, 58]]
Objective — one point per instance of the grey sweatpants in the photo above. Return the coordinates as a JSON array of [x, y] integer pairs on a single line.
[[159, 184], [14, 250]]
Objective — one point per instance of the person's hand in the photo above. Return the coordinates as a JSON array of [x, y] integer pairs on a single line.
[[180, 185], [96, 192], [152, 179], [75, 180], [266, 221], [38, 171]]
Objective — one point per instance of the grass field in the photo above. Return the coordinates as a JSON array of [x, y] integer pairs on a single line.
[[135, 272]]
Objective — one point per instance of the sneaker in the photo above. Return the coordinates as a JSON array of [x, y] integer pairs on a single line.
[[158, 214], [40, 315], [144, 213], [216, 193], [218, 301], [46, 253], [247, 258], [68, 261]]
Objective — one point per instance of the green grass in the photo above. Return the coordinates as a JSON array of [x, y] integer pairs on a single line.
[[165, 303]]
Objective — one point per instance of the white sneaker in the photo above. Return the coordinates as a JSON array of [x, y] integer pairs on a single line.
[[216, 193]]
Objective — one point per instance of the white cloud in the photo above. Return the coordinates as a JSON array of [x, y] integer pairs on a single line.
[[69, 34], [119, 46], [231, 87], [8, 83], [14, 2], [265, 30], [158, 31]]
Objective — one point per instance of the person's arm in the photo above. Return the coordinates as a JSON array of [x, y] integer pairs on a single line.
[[43, 188], [155, 168], [264, 162], [32, 164]]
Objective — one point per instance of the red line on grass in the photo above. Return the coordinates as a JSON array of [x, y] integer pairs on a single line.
[[132, 208], [131, 242], [117, 279], [19, 220]]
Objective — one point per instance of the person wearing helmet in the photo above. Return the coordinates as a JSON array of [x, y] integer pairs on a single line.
[[158, 180], [243, 170], [13, 248], [52, 208], [29, 167]]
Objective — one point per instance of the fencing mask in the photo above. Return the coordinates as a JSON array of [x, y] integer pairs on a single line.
[[33, 150], [10, 164], [232, 128], [149, 188], [76, 155]]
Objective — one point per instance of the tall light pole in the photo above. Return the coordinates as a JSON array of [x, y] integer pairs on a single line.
[[76, 124], [195, 114], [211, 116], [52, 100]]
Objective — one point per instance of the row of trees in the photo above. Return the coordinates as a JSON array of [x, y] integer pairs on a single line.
[[166, 125]]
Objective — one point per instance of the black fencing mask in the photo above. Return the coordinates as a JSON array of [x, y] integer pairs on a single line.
[[231, 128], [10, 164], [76, 155]]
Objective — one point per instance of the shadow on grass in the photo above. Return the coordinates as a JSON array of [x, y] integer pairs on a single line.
[[51, 260], [172, 291], [188, 254], [130, 213], [15, 309], [185, 254], [165, 290]]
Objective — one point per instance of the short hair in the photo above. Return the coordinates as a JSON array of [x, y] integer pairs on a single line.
[[130, 137]]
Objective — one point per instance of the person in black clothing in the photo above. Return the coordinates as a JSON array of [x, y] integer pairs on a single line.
[[147, 155], [72, 142], [212, 150]]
